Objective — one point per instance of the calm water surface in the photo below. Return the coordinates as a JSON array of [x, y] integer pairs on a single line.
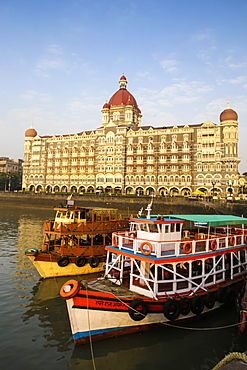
[[35, 331]]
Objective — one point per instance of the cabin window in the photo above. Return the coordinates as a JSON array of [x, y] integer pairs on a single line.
[[196, 268], [166, 229], [172, 228], [177, 227], [144, 227], [153, 228], [219, 267], [82, 215]]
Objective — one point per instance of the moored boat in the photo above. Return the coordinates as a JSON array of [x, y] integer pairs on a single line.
[[165, 268], [74, 242]]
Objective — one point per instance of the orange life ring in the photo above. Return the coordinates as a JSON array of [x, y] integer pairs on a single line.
[[245, 239], [232, 240], [213, 245], [187, 247], [114, 240], [74, 288], [149, 251]]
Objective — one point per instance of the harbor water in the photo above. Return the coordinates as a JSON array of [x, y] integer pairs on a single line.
[[35, 331]]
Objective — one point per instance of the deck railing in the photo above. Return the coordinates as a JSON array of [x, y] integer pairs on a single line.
[[159, 249]]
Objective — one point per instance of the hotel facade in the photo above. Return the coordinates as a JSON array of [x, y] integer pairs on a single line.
[[122, 156]]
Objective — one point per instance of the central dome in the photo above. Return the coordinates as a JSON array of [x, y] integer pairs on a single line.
[[123, 96]]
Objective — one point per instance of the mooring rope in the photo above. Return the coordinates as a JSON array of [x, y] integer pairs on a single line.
[[231, 356], [89, 331]]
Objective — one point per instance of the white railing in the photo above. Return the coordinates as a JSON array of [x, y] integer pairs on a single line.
[[160, 249]]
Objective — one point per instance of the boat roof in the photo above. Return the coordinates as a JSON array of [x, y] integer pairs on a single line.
[[78, 208], [211, 220], [156, 220]]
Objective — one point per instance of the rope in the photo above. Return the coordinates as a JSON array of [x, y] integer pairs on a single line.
[[89, 331], [231, 356]]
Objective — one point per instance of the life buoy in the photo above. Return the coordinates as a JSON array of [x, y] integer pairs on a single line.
[[31, 252], [185, 306], [94, 261], [138, 309], [245, 239], [197, 305], [171, 309], [213, 245], [80, 261], [232, 240], [146, 252], [210, 300], [69, 289], [187, 247], [63, 261], [114, 240]]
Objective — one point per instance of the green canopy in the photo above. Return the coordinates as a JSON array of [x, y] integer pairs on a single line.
[[211, 220]]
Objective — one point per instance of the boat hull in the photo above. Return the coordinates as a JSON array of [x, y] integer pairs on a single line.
[[96, 315], [49, 269]]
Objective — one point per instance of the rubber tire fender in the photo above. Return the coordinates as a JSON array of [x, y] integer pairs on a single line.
[[63, 261], [138, 316], [185, 306], [210, 300], [197, 305], [222, 295], [94, 261], [80, 261], [171, 309]]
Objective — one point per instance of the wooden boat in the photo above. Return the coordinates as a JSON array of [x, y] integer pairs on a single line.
[[164, 269], [74, 242]]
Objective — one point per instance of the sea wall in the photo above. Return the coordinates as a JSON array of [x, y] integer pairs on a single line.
[[132, 204]]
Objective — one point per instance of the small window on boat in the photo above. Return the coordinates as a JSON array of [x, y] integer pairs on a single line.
[[166, 229], [172, 228], [82, 215], [153, 228], [144, 227], [178, 227]]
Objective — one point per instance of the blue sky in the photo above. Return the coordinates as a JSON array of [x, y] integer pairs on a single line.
[[61, 60]]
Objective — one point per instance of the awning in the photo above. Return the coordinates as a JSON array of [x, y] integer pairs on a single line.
[[211, 220]]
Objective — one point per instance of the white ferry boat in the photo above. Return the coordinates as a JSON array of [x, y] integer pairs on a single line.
[[165, 268]]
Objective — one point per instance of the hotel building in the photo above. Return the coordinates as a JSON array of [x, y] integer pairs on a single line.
[[122, 156]]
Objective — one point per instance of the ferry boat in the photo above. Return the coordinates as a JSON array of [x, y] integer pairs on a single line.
[[164, 269], [74, 242]]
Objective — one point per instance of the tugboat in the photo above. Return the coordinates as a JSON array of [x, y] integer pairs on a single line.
[[74, 242], [164, 269]]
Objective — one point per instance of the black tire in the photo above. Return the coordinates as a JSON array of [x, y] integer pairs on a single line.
[[222, 295], [171, 309], [94, 261], [80, 261], [197, 305], [63, 261], [133, 308], [185, 306], [231, 297], [210, 300]]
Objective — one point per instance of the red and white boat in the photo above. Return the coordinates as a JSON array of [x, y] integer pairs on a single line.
[[165, 268]]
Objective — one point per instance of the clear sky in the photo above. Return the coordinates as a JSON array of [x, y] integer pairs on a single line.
[[62, 59]]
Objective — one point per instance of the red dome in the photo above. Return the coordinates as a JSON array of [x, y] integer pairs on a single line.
[[123, 78], [228, 115], [123, 97], [31, 132], [106, 105]]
